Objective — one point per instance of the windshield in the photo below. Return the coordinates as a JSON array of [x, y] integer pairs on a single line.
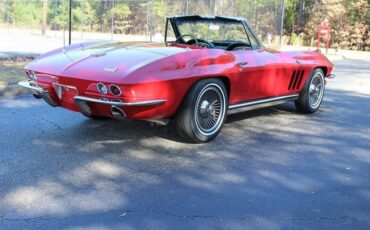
[[214, 30]]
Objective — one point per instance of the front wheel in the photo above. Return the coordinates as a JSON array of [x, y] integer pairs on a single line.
[[312, 94], [203, 111]]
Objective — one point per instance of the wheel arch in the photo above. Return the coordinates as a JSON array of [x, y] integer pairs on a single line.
[[227, 83], [324, 69], [225, 80]]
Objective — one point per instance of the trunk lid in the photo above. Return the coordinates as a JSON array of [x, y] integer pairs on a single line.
[[108, 62]]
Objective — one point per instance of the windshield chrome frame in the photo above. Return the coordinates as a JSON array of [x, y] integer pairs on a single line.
[[172, 21]]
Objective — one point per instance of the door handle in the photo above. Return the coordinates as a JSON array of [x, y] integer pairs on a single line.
[[243, 63]]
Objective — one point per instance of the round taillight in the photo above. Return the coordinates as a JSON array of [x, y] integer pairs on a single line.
[[115, 90], [102, 88]]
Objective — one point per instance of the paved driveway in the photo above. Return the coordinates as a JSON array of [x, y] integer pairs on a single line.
[[269, 169]]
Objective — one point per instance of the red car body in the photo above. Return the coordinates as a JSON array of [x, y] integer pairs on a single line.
[[163, 74], [170, 73]]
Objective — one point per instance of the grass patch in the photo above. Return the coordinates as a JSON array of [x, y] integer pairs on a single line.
[[11, 71]]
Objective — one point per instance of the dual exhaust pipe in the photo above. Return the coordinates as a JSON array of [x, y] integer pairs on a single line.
[[117, 112]]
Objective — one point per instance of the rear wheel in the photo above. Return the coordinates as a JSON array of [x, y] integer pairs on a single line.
[[312, 94], [203, 111]]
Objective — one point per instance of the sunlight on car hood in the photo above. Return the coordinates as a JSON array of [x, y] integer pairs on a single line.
[[101, 61]]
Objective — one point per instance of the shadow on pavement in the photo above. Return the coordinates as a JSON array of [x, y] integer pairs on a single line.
[[271, 168]]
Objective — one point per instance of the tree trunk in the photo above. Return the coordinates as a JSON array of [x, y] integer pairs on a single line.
[[301, 16], [44, 16]]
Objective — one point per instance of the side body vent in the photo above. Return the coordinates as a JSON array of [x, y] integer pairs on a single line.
[[296, 80]]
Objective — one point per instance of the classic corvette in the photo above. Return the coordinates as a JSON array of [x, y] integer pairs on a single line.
[[206, 68]]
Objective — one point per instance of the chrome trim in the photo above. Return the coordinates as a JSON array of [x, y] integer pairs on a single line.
[[117, 112], [48, 75], [316, 90], [60, 87], [256, 104], [27, 84], [163, 121], [32, 76], [113, 85], [40, 92], [116, 103], [215, 125], [65, 86], [101, 90], [111, 69]]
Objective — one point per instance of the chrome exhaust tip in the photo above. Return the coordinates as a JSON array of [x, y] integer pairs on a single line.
[[331, 76], [37, 96], [162, 122], [117, 112]]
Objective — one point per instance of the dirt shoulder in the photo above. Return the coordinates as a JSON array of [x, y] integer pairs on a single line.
[[11, 71]]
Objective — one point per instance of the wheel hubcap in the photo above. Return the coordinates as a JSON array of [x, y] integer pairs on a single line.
[[210, 109], [204, 109], [316, 90]]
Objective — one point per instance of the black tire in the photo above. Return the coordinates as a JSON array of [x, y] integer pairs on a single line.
[[306, 102], [198, 111]]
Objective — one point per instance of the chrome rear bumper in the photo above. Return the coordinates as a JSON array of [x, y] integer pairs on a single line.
[[39, 92], [119, 103], [81, 101], [28, 85]]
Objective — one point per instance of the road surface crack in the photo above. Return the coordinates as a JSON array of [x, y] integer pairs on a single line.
[[48, 121]]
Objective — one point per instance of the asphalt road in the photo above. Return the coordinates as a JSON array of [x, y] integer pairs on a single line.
[[269, 169]]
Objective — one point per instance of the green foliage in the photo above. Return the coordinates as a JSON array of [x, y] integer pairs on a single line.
[[84, 14], [350, 19], [293, 39], [367, 16], [23, 13], [117, 14], [291, 15]]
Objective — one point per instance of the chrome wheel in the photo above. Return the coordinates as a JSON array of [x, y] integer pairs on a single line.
[[202, 112], [316, 90], [210, 109]]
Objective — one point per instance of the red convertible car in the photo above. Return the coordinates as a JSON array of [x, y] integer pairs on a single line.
[[206, 68]]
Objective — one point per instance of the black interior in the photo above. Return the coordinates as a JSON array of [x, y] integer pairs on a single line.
[[238, 46], [228, 45], [201, 43]]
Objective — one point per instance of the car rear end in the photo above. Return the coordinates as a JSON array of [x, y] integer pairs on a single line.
[[95, 98]]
